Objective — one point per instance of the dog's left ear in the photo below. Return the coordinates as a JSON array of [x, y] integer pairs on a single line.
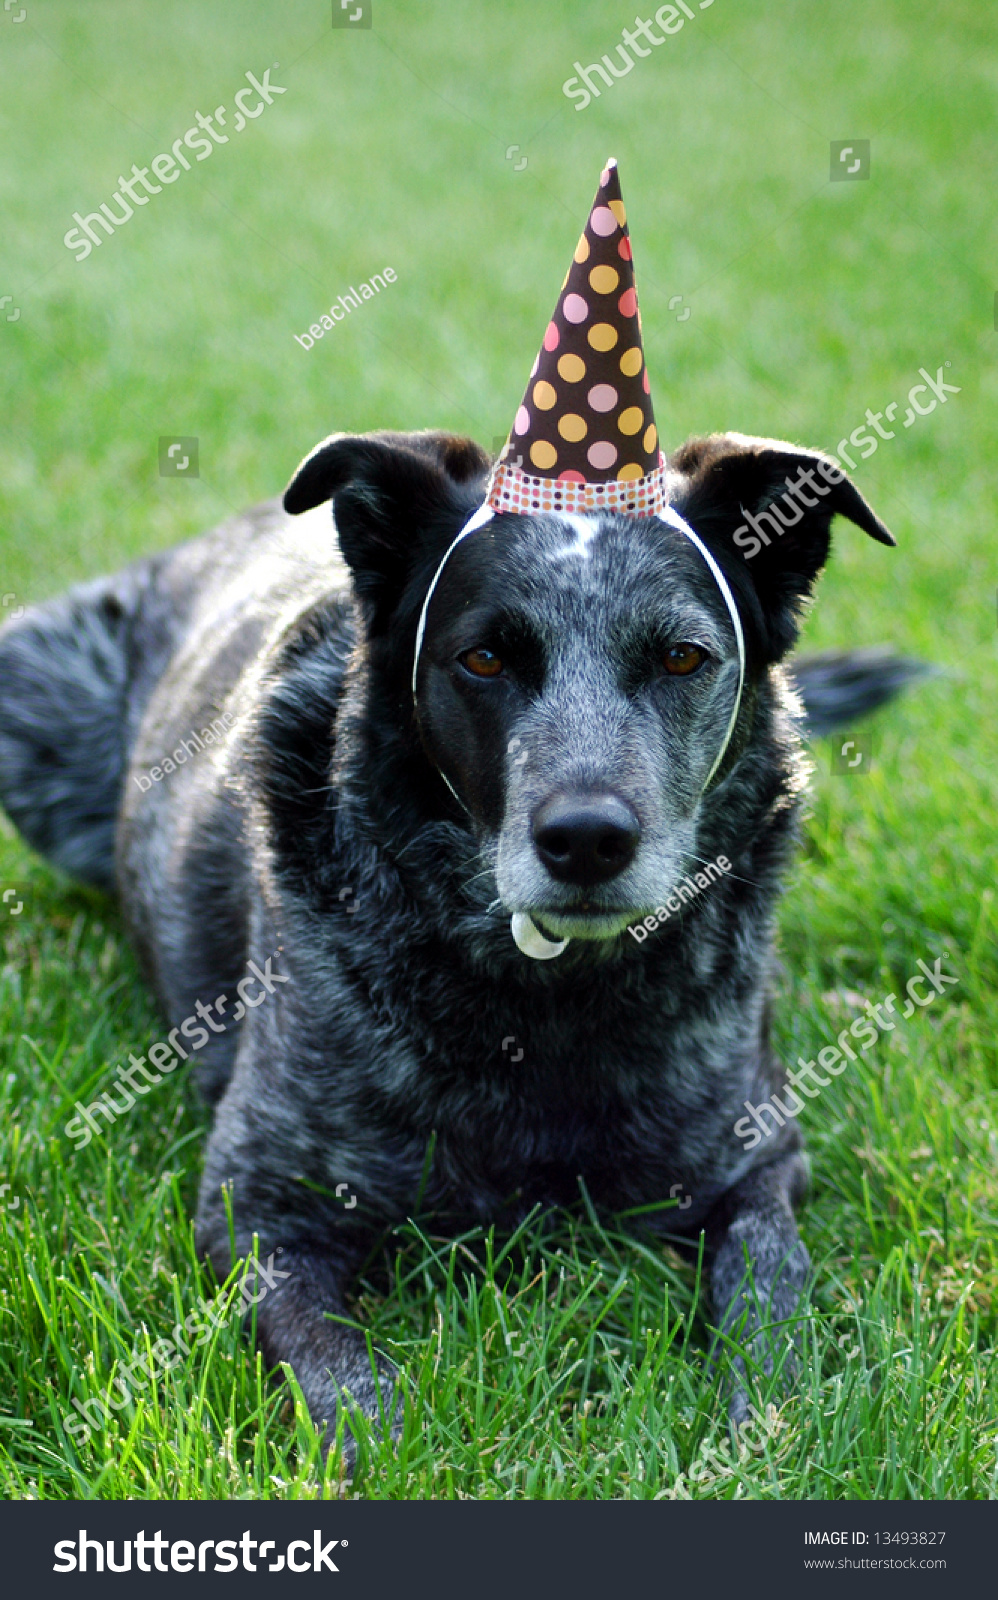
[[396, 497], [765, 507]]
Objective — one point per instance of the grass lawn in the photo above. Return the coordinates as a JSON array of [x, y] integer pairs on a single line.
[[568, 1362]]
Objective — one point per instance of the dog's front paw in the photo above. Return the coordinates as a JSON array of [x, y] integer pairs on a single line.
[[763, 1355], [367, 1402]]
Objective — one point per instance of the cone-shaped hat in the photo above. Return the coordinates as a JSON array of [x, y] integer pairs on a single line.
[[584, 438]]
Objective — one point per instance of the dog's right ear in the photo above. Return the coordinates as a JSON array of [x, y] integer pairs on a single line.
[[394, 495], [769, 531]]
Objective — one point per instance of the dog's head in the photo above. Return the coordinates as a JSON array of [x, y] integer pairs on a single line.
[[578, 673]]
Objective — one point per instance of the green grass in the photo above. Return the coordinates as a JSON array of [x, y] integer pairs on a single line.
[[569, 1362]]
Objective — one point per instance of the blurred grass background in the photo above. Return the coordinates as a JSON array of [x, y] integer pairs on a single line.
[[809, 302]]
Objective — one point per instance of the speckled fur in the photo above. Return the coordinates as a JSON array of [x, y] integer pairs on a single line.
[[321, 829]]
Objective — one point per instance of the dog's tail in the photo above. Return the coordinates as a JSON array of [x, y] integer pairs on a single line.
[[840, 686], [64, 671]]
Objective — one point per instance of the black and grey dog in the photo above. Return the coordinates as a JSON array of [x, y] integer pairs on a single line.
[[576, 679]]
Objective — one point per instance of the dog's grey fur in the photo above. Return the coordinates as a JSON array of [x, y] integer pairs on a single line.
[[321, 830]]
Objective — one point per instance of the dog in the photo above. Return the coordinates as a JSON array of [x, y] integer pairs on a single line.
[[367, 847]]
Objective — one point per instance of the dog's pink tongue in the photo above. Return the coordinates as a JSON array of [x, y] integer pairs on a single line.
[[530, 940]]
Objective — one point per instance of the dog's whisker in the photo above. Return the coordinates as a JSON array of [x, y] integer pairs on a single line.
[[464, 888], [737, 876]]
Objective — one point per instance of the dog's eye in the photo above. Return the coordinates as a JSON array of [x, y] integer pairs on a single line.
[[482, 663], [683, 659]]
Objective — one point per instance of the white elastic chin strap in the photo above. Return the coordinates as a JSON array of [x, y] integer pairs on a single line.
[[526, 934]]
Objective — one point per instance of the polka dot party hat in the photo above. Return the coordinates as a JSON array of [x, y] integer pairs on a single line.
[[584, 438]]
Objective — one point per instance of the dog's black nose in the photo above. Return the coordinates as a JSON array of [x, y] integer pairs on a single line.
[[586, 839]]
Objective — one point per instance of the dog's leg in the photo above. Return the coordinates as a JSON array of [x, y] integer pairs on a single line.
[[304, 1289], [760, 1269], [330, 1360]]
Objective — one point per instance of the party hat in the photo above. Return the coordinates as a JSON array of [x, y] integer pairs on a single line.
[[584, 437]]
